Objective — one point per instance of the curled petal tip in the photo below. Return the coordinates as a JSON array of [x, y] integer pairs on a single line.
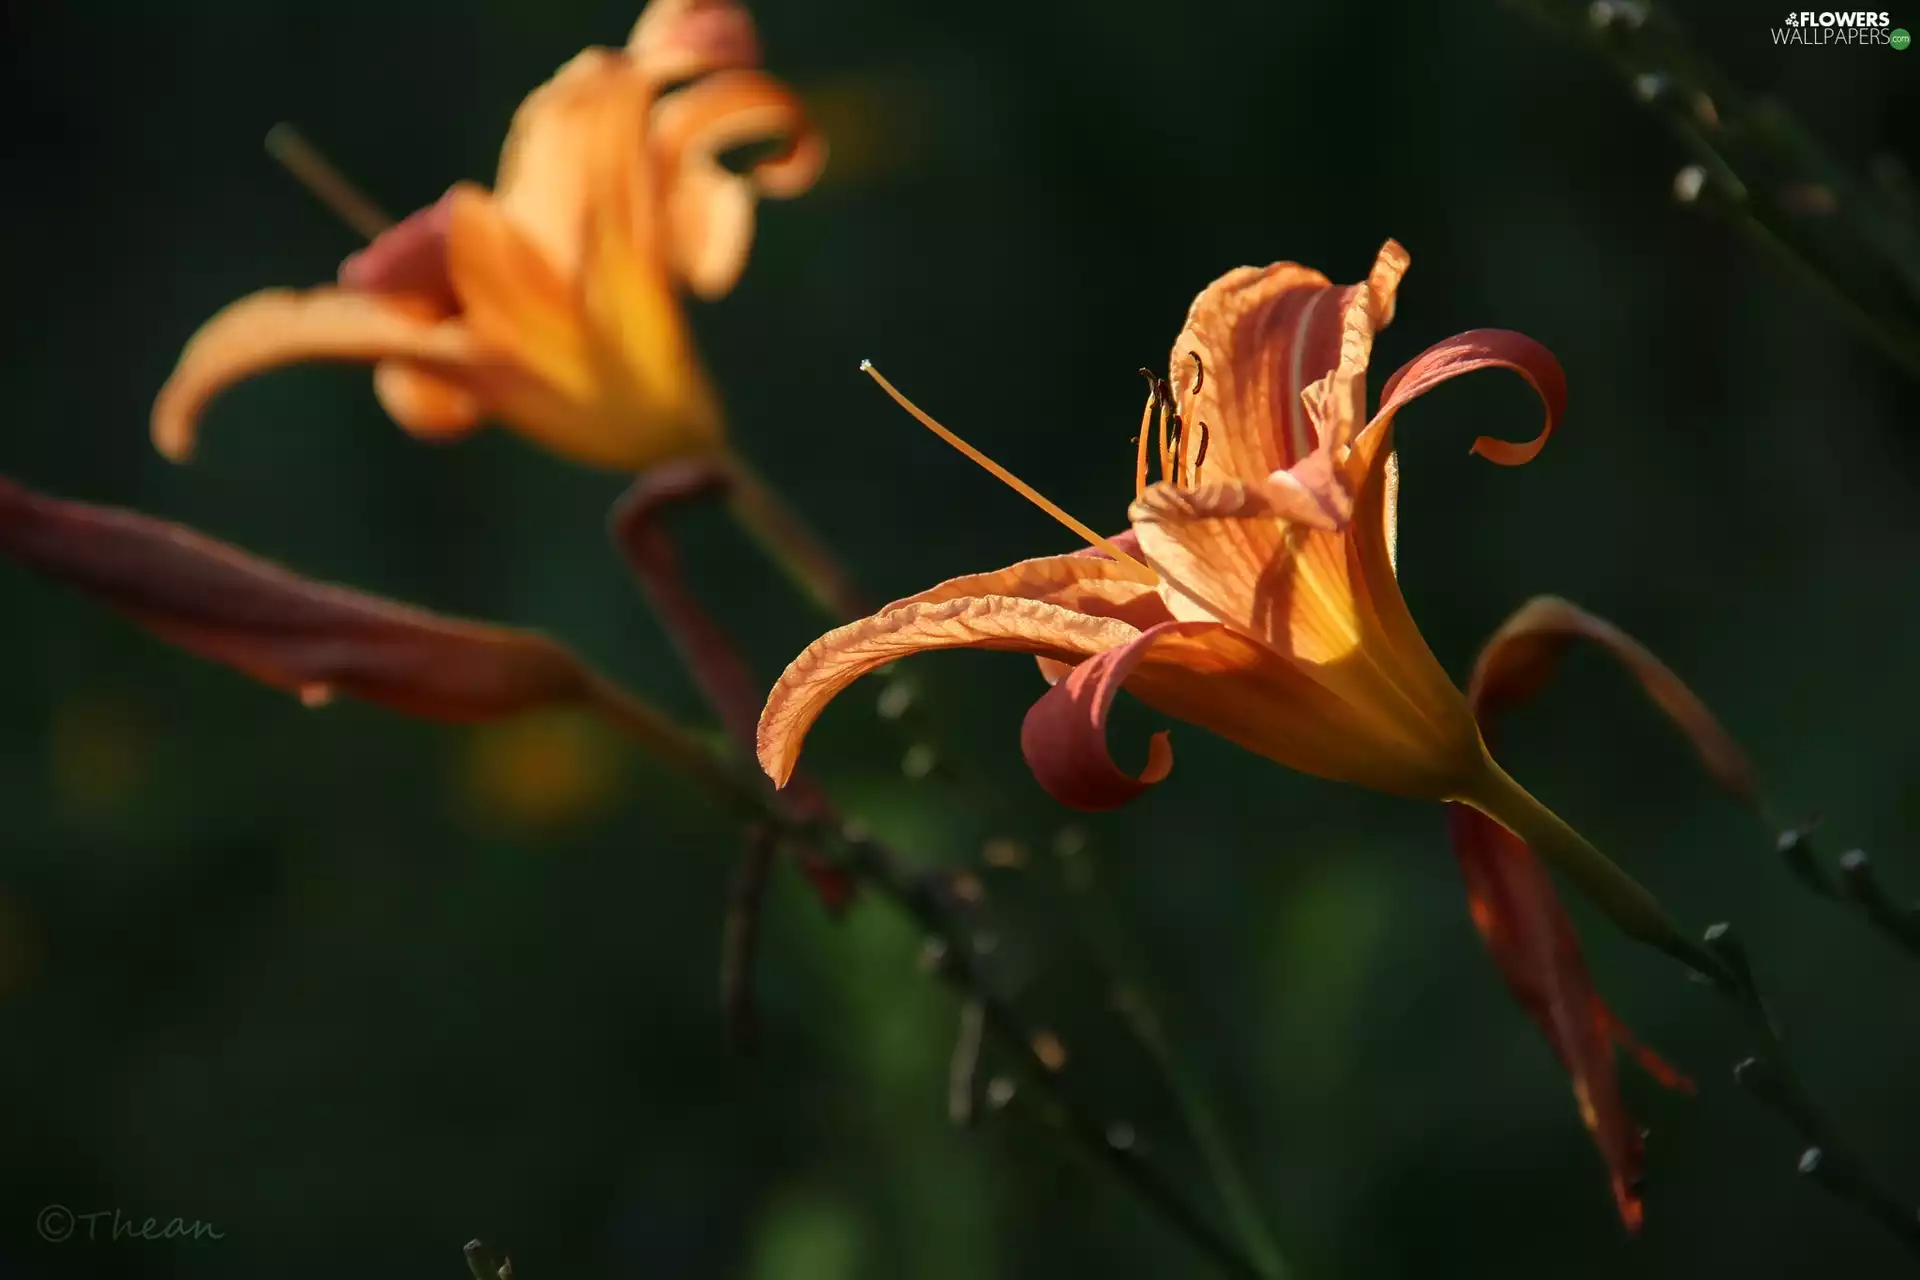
[[173, 440], [1064, 736]]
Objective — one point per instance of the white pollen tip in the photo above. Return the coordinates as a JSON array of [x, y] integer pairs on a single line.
[[866, 366]]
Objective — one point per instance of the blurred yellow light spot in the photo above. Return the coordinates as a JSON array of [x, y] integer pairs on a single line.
[[1009, 855], [547, 769]]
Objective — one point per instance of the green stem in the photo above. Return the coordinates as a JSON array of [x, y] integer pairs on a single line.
[[1624, 899]]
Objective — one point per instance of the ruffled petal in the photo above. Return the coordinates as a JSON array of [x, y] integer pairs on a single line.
[[710, 209], [1531, 940], [842, 656], [279, 327], [1263, 335], [1520, 657], [1064, 736], [1099, 586]]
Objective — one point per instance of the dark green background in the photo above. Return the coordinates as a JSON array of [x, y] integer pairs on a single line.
[[281, 971]]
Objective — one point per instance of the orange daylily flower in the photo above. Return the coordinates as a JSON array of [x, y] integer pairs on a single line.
[[551, 303], [1254, 594]]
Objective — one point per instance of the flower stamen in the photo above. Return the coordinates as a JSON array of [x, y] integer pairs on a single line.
[[1005, 476], [1146, 427]]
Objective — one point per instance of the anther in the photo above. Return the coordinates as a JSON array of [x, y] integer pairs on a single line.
[[1199, 372], [1200, 458]]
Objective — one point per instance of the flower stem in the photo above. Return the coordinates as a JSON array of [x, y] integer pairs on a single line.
[[1624, 899]]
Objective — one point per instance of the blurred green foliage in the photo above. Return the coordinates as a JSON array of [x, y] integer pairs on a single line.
[[299, 975]]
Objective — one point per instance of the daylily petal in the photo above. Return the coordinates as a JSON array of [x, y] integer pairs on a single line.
[[1336, 405], [1521, 656], [1532, 941], [282, 629], [1064, 736], [1264, 335], [639, 341], [1098, 586], [283, 326], [409, 258], [428, 405], [1232, 552], [557, 144], [681, 39], [1321, 603], [1513, 901], [710, 208], [1232, 685], [843, 655], [1086, 581], [1466, 353]]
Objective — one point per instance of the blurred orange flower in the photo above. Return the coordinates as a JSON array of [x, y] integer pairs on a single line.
[[552, 302], [1255, 593]]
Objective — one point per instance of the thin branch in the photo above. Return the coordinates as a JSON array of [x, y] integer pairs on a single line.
[[1848, 240], [1856, 882], [740, 938], [1771, 1078], [920, 897], [901, 704], [962, 1073]]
